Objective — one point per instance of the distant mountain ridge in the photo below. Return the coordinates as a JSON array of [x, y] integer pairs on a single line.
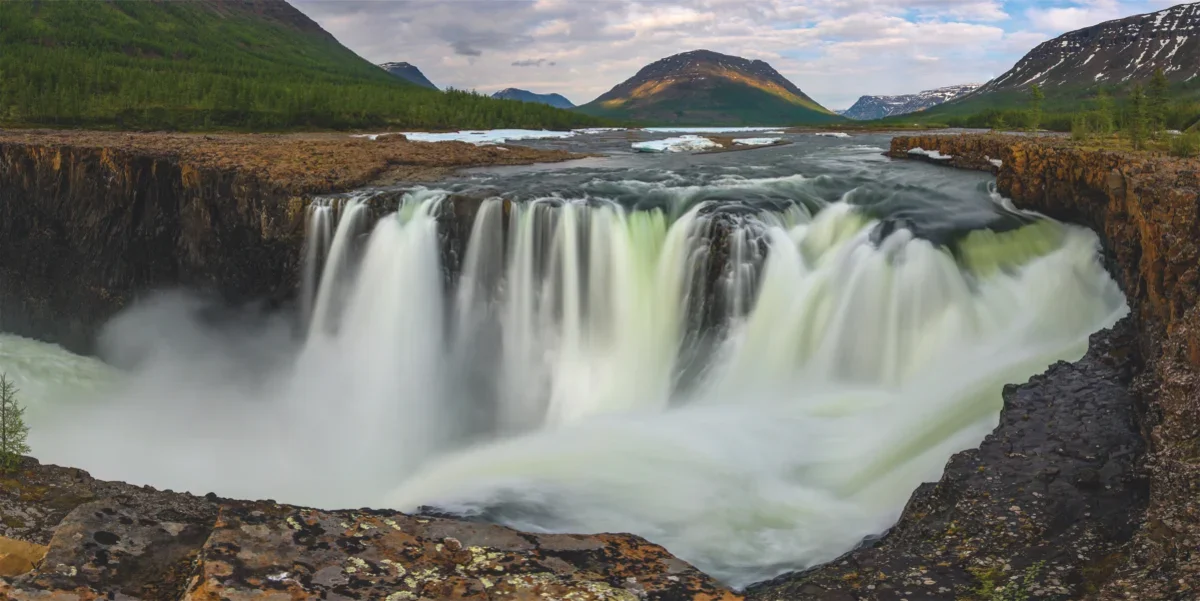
[[408, 72], [878, 107], [1112, 53], [708, 88], [555, 100]]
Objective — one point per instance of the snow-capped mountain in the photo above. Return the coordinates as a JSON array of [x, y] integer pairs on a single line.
[[878, 107], [409, 73], [1113, 52]]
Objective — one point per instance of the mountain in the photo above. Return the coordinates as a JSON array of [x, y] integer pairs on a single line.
[[207, 64], [878, 107], [555, 100], [707, 88], [409, 73], [1114, 52], [1072, 69]]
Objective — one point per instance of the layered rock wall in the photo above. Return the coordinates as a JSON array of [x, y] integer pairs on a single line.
[[84, 230], [1146, 210]]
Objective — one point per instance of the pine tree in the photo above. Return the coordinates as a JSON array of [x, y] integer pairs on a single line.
[[1104, 113], [1136, 125], [1036, 96], [13, 430], [1156, 101]]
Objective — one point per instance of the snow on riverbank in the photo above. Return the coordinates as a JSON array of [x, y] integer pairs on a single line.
[[480, 137], [711, 130], [757, 141]]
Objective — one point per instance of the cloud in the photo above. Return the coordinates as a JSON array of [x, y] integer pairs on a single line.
[[534, 62], [465, 49], [1076, 16], [836, 50]]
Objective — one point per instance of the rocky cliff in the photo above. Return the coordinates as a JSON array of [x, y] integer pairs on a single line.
[[90, 221], [1088, 489]]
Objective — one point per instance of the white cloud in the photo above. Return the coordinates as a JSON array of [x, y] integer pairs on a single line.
[[1082, 14]]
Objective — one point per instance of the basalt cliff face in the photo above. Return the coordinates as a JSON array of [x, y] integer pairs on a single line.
[[1090, 486], [83, 230], [90, 221]]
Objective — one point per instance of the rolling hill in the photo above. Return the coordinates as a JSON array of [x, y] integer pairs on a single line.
[[204, 64], [707, 88]]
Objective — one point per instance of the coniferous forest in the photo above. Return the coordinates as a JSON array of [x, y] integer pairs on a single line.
[[208, 64]]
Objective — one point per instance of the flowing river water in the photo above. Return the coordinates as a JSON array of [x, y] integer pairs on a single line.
[[750, 358]]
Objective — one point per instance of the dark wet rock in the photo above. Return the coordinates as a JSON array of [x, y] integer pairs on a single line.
[[1046, 505]]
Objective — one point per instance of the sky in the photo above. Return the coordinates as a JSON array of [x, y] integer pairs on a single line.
[[835, 50]]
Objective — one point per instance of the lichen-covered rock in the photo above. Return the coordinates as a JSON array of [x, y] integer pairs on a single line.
[[116, 541], [264, 551], [139, 547]]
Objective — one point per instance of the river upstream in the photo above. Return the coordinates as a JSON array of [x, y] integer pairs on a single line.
[[752, 358]]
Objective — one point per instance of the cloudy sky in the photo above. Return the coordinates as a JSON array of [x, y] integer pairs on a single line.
[[835, 50]]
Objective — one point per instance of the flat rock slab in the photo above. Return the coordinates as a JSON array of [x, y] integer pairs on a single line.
[[265, 551]]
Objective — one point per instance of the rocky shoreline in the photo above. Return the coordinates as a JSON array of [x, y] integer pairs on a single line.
[[1089, 488]]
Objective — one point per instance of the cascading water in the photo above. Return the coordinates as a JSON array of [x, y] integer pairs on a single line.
[[755, 385]]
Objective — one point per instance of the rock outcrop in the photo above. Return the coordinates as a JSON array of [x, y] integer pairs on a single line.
[[1061, 435], [116, 541]]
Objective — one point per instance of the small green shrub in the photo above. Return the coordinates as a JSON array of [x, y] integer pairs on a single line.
[[1186, 145], [13, 430]]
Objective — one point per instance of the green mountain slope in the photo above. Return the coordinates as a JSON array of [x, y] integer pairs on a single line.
[[708, 88], [251, 64]]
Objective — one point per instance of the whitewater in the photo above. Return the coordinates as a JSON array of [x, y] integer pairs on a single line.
[[751, 359]]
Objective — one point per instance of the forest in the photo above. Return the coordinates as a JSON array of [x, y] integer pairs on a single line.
[[215, 65]]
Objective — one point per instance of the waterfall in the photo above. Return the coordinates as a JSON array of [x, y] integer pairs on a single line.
[[757, 386], [841, 369]]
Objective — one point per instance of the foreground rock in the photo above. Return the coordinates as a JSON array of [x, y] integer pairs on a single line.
[[1146, 210], [115, 541], [89, 220]]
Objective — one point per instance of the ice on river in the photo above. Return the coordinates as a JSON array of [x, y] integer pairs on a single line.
[[680, 144]]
